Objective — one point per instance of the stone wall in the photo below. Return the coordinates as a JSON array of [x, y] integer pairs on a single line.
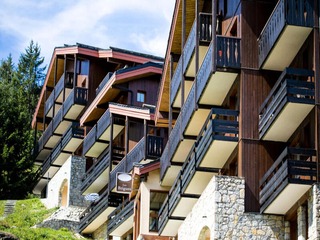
[[314, 213], [220, 212], [69, 176]]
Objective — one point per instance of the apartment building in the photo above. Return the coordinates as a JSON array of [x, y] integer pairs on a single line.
[[219, 142], [95, 120], [239, 92]]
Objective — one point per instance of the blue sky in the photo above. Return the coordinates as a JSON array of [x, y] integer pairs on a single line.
[[138, 25]]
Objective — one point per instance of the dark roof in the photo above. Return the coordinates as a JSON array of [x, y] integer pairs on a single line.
[[155, 58], [144, 65], [137, 54]]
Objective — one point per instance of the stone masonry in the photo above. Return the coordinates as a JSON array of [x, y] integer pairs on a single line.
[[220, 209]]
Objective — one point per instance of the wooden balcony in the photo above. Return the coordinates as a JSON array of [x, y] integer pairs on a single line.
[[218, 138], [212, 88], [175, 153], [188, 58], [287, 180], [72, 138], [75, 103], [98, 139], [103, 82], [97, 176], [97, 213], [57, 95], [285, 32], [120, 221], [288, 104], [184, 193], [146, 150]]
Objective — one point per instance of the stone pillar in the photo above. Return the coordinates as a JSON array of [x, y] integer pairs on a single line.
[[286, 230], [314, 213], [301, 221], [78, 167]]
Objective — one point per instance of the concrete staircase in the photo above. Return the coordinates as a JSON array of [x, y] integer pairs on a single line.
[[8, 208]]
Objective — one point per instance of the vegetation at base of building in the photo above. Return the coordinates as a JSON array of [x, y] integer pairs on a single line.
[[2, 204], [19, 92], [28, 213]]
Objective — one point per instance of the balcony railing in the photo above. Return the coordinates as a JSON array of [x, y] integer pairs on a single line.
[[294, 165], [77, 96], [154, 146], [227, 56], [188, 108], [204, 36], [89, 140], [221, 124], [286, 89], [205, 27], [95, 171], [74, 131], [135, 155], [104, 82], [121, 167], [119, 215], [291, 12], [96, 208], [171, 146], [103, 123]]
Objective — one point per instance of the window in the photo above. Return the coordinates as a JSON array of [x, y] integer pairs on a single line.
[[141, 96]]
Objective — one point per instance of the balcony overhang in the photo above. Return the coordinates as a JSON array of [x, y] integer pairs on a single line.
[[170, 175], [287, 121], [196, 122], [191, 67], [40, 186], [123, 227], [217, 88], [183, 206], [98, 220], [288, 44], [199, 182], [171, 227], [177, 100], [218, 153], [99, 183], [290, 194]]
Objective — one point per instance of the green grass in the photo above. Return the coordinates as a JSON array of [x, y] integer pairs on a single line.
[[2, 204], [28, 213]]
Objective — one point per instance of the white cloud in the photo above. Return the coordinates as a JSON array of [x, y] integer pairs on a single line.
[[53, 23]]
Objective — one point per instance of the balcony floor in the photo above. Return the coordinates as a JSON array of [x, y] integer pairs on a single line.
[[73, 144], [171, 227], [97, 149], [286, 48], [287, 121], [199, 182], [99, 183], [170, 175], [184, 206], [287, 198], [187, 88], [182, 150], [116, 130], [122, 228], [218, 153], [191, 69], [196, 122], [98, 221], [217, 88], [74, 112]]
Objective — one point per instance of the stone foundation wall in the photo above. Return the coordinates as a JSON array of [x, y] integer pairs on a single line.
[[70, 174], [314, 213], [220, 210]]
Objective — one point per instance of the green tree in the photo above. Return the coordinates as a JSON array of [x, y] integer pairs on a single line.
[[31, 74], [19, 92]]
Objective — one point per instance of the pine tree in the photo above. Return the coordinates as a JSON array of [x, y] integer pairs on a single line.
[[19, 90], [31, 74]]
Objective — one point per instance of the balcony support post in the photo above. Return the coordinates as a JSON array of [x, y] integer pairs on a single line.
[[55, 83], [145, 131], [317, 83], [75, 71], [196, 48], [110, 152], [126, 144], [65, 76], [184, 13], [170, 107], [214, 34]]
